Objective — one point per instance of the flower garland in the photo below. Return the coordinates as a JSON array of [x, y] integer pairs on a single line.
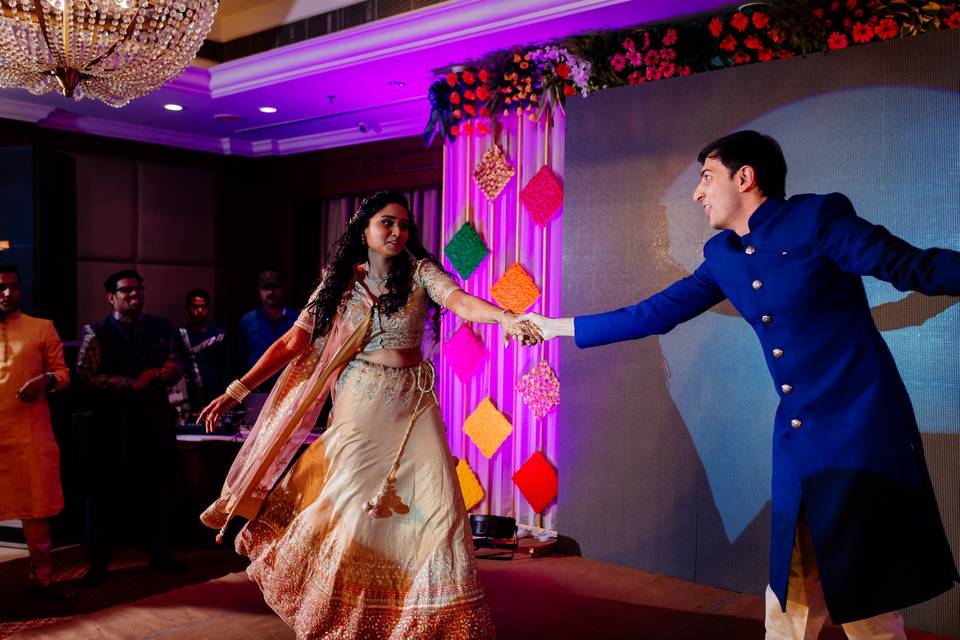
[[540, 79]]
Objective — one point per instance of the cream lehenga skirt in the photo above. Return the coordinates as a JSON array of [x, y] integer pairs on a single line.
[[328, 568]]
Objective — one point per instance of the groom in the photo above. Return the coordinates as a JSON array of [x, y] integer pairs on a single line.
[[855, 526]]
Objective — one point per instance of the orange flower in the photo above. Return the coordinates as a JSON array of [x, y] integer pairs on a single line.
[[516, 57], [524, 65], [716, 27], [739, 21], [760, 19], [483, 93], [862, 32], [837, 41]]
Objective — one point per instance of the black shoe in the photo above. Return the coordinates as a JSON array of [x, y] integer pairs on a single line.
[[48, 592], [95, 576], [166, 563]]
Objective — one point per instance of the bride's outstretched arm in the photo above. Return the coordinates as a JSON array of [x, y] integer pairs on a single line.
[[474, 309]]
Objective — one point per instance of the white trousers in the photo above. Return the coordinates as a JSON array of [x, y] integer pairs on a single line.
[[806, 612]]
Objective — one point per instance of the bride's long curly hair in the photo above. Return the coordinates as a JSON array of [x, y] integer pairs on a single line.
[[350, 250]]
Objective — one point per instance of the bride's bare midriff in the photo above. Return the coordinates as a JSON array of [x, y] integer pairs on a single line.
[[397, 358]]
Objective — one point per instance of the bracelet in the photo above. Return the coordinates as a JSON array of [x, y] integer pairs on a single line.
[[237, 390]]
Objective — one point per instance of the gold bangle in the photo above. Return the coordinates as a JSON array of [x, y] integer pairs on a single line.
[[237, 390]]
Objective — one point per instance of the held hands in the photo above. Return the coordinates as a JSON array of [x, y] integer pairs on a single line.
[[32, 389], [524, 332], [212, 413], [547, 327]]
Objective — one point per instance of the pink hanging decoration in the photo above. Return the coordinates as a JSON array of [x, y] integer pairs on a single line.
[[542, 196], [540, 389]]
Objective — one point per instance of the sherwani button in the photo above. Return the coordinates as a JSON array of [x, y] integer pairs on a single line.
[[778, 353], [765, 319], [796, 423], [750, 250], [756, 284], [786, 388]]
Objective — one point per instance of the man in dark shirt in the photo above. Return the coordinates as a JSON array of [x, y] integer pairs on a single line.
[[262, 326], [208, 357], [126, 362]]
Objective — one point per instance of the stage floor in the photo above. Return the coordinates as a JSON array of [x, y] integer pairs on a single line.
[[553, 597]]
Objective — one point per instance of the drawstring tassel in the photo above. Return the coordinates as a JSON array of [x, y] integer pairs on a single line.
[[387, 502]]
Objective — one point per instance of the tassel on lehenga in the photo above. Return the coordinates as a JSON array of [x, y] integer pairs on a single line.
[[387, 502]]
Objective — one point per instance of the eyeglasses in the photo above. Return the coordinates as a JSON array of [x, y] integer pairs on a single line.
[[137, 288]]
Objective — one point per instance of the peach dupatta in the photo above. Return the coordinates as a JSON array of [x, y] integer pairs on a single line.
[[287, 417]]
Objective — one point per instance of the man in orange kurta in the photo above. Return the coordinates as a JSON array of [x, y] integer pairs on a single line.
[[31, 365]]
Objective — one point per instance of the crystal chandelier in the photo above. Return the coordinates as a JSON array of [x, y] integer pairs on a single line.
[[109, 50]]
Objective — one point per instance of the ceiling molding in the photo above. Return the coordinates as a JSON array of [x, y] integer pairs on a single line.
[[405, 33], [24, 111], [349, 136]]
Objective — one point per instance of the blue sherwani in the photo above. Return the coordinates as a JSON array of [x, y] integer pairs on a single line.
[[845, 441]]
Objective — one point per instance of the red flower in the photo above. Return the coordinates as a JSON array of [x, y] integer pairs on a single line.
[[483, 93], [953, 22], [741, 58], [668, 69], [668, 54], [469, 94], [837, 41], [716, 27], [628, 44], [776, 36], [818, 14], [760, 19], [524, 65], [685, 71], [618, 62], [653, 74], [729, 43], [739, 21], [452, 79], [569, 90], [563, 70], [454, 98], [862, 32], [483, 75], [635, 58], [484, 112], [764, 54], [835, 6], [752, 42], [457, 114], [646, 40], [858, 13], [635, 78], [482, 129], [670, 38], [652, 59], [470, 110], [467, 129], [454, 130], [851, 5], [888, 28], [785, 54]]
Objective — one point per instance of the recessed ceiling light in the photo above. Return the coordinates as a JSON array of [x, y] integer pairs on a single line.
[[396, 83], [268, 109], [173, 107]]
